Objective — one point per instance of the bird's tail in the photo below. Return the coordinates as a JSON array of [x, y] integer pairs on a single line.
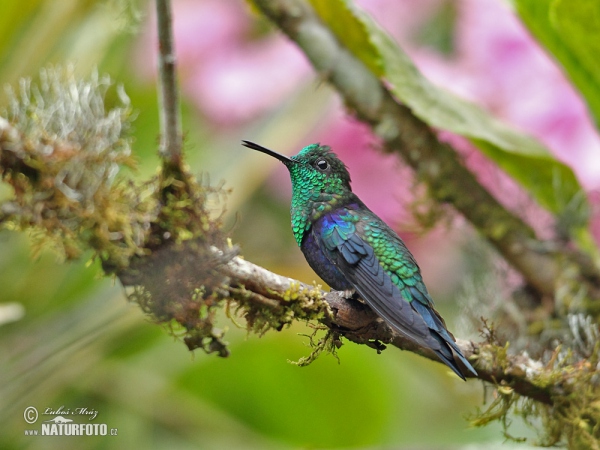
[[449, 353]]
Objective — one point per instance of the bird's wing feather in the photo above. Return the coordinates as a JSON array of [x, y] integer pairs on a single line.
[[395, 290], [357, 261]]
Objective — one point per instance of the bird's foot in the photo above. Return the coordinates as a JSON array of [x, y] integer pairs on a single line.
[[349, 293], [377, 345]]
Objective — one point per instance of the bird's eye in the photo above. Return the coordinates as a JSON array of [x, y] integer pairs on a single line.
[[322, 164]]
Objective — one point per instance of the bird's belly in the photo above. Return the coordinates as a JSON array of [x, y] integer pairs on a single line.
[[321, 265]]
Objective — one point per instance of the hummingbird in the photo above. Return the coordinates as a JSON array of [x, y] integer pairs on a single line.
[[352, 249]]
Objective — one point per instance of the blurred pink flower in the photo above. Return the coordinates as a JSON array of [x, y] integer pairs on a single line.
[[499, 66], [233, 77], [401, 18], [239, 84], [201, 29], [229, 76]]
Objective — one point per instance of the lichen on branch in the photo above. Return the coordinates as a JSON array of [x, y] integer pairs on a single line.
[[61, 148]]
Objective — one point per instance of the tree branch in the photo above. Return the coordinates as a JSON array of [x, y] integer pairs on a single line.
[[436, 163], [358, 323], [170, 121]]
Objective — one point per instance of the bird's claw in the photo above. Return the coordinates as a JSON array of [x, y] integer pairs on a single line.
[[348, 293]]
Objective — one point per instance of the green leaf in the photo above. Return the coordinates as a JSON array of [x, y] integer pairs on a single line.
[[350, 30], [570, 31], [521, 156]]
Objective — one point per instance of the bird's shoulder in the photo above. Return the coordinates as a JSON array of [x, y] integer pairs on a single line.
[[356, 232]]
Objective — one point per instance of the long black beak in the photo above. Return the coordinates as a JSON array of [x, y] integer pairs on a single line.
[[284, 159]]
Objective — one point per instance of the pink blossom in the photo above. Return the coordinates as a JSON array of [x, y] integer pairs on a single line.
[[237, 85], [201, 29], [501, 67], [498, 65], [230, 76], [401, 18]]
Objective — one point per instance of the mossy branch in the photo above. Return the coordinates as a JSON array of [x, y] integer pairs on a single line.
[[563, 392], [60, 150], [352, 319]]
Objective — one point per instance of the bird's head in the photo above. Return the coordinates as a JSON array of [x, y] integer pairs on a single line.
[[315, 170], [320, 182]]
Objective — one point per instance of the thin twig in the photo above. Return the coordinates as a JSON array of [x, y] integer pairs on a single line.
[[170, 117]]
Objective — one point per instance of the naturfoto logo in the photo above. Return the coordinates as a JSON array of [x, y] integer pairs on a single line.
[[62, 425]]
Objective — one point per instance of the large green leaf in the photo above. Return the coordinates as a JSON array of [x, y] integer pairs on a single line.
[[521, 156], [570, 31], [351, 32]]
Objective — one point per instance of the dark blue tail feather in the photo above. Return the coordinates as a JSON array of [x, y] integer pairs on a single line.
[[449, 350]]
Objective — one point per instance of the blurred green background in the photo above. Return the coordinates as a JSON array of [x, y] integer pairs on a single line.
[[76, 342]]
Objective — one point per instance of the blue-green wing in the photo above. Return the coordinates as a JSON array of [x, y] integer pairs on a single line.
[[384, 273]]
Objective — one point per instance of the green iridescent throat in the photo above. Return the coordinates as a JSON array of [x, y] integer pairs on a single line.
[[314, 193]]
